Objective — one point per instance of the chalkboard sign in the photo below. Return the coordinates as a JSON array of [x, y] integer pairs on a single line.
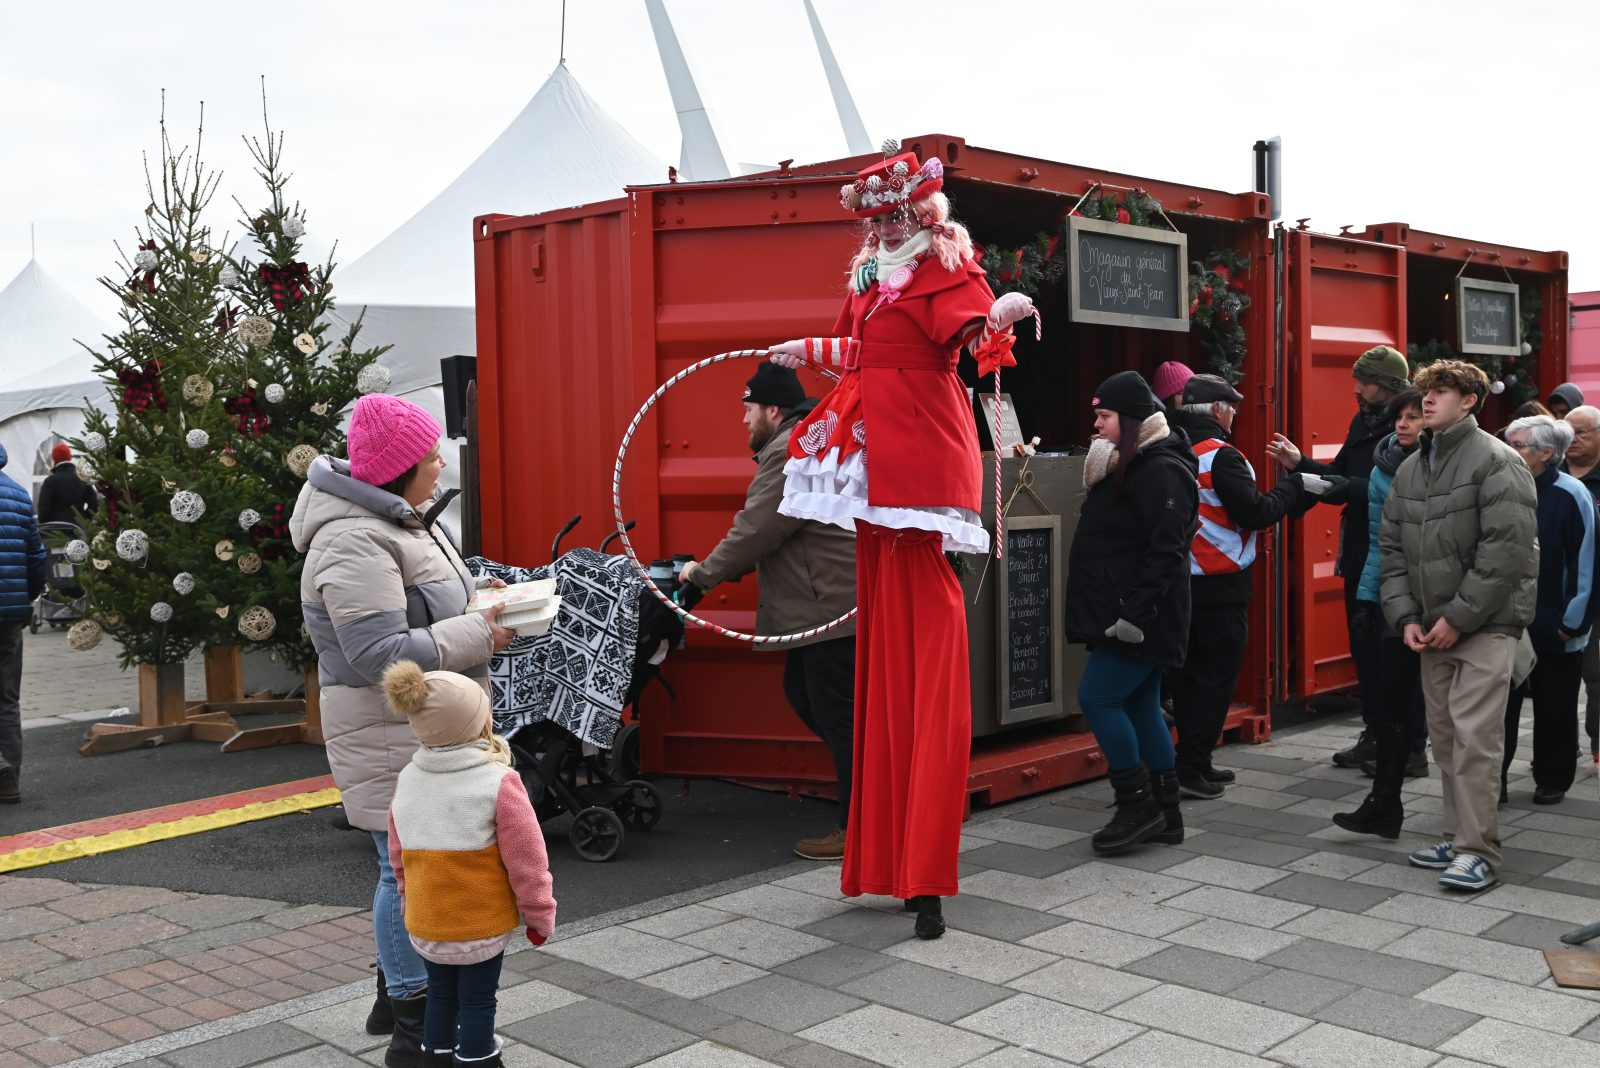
[[1489, 317], [1128, 275], [1030, 629]]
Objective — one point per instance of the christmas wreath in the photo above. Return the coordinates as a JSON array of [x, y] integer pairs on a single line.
[[1217, 295]]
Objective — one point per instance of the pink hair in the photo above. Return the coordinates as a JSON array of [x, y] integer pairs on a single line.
[[951, 243]]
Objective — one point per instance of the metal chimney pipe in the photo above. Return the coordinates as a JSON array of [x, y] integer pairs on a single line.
[[1269, 172]]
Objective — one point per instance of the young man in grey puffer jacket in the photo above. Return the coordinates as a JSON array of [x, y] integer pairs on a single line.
[[1460, 566]]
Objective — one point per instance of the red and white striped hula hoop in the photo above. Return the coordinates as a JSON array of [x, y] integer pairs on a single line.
[[622, 526]]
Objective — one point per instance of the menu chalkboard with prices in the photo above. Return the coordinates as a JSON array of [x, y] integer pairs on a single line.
[[1488, 317], [1128, 275], [1030, 659]]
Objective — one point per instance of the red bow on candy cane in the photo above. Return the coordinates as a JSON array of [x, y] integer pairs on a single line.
[[285, 284]]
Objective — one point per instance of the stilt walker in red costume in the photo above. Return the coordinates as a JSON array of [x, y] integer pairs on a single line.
[[915, 298]]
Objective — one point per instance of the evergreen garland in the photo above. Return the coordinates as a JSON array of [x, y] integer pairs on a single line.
[[1217, 301]]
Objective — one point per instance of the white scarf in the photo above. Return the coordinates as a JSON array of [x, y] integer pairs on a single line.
[[884, 263], [1103, 454], [909, 249]]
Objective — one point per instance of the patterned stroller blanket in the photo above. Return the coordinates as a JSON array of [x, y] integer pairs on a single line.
[[577, 675]]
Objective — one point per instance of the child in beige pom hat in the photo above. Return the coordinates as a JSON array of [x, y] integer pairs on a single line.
[[468, 856]]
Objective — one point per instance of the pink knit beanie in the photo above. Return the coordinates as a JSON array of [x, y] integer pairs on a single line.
[[1170, 378], [389, 436]]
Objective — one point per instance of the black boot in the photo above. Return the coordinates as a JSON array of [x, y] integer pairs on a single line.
[[380, 1021], [1364, 749], [1382, 813], [930, 916], [1167, 794], [405, 1044], [1139, 816], [443, 1058]]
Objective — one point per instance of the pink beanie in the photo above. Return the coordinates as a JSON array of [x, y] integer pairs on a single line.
[[1170, 378], [389, 436]]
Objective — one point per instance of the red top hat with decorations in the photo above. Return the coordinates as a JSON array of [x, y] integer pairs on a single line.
[[898, 180]]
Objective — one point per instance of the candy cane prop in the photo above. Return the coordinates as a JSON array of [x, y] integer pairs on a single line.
[[622, 529]]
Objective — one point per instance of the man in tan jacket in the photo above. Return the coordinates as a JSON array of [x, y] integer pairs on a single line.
[[807, 575]]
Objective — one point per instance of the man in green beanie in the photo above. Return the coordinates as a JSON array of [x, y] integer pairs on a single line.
[[1380, 373]]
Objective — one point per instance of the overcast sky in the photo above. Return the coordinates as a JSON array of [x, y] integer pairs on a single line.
[[1469, 118]]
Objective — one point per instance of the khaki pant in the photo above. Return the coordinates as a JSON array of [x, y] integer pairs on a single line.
[[1465, 689]]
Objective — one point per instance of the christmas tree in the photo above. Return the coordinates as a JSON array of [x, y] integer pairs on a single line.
[[285, 391], [164, 573]]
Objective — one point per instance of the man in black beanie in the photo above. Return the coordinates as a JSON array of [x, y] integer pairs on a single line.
[[807, 575]]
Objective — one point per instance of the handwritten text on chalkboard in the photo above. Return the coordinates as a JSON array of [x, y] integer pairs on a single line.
[[1489, 316], [1030, 616], [1129, 275]]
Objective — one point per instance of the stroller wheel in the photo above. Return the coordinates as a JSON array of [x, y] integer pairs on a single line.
[[596, 834], [640, 807], [625, 752]]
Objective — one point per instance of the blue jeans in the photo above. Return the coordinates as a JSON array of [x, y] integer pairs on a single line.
[[402, 968], [1121, 698], [460, 1013]]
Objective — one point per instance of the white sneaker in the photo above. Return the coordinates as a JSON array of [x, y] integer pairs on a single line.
[[1437, 857], [1468, 872]]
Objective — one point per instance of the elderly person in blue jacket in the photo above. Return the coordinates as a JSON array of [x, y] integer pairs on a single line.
[[22, 574], [1564, 609]]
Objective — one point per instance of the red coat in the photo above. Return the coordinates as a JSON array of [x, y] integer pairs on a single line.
[[923, 439]]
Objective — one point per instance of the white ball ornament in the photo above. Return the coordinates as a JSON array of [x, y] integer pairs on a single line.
[[273, 393], [77, 550], [294, 226], [133, 545], [187, 506], [249, 518], [373, 378], [183, 582], [94, 441], [249, 563], [197, 439], [161, 611], [87, 471], [1497, 386], [1527, 349], [145, 260], [228, 277]]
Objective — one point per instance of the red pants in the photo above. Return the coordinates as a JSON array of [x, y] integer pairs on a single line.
[[913, 717]]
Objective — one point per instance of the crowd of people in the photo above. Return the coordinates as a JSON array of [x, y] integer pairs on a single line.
[[1468, 560]]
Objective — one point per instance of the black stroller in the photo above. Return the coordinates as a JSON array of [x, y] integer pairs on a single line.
[[61, 603], [560, 698]]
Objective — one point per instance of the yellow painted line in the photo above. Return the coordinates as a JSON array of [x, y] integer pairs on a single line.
[[94, 844]]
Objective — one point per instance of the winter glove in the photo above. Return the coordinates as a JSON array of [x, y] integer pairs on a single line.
[[535, 937], [1125, 632], [790, 354], [1321, 485], [1008, 309]]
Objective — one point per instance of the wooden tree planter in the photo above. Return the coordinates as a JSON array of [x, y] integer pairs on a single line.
[[165, 715]]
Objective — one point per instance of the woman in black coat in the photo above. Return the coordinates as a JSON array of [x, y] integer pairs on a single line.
[[1128, 600]]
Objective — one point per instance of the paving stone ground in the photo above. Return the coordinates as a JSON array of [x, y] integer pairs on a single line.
[[1268, 937]]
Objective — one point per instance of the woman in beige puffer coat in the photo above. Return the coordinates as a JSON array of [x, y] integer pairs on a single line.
[[382, 583]]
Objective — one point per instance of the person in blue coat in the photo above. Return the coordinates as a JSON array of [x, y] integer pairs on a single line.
[[22, 575], [1400, 734], [1564, 609]]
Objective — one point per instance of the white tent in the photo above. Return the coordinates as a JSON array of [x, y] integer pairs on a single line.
[[44, 373], [415, 288]]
